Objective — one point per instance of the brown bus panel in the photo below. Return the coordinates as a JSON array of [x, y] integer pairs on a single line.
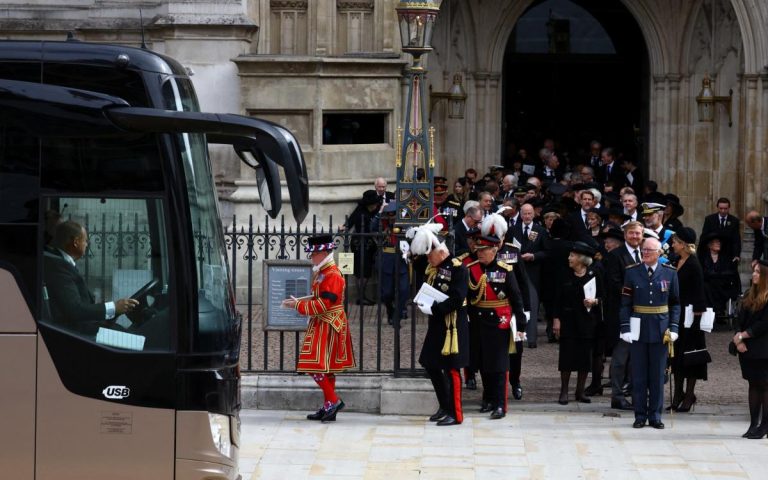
[[17, 404], [82, 438]]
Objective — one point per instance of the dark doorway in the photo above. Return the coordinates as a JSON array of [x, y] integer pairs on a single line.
[[576, 71]]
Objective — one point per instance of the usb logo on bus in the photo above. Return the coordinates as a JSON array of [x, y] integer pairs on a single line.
[[116, 392]]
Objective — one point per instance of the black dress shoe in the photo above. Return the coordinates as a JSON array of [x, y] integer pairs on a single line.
[[471, 383], [498, 413], [438, 415], [638, 424], [485, 407], [517, 391], [593, 391], [330, 414], [318, 415], [752, 429], [447, 420], [657, 425], [583, 399], [621, 404]]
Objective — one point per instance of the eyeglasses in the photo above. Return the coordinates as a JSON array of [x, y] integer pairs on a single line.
[[649, 250]]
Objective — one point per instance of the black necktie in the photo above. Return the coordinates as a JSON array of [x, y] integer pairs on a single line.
[[586, 223], [650, 272], [525, 232], [722, 222], [637, 256]]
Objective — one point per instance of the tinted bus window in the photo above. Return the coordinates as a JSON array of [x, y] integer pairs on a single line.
[[18, 254], [122, 83], [19, 176], [104, 250]]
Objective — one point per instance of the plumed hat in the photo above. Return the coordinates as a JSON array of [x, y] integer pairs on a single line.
[[424, 238], [494, 224]]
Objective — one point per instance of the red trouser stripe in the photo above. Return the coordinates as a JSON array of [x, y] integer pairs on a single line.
[[506, 391], [456, 392]]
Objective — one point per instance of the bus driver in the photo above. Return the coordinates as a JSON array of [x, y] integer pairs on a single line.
[[71, 303]]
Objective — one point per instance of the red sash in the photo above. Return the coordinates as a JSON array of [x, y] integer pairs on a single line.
[[503, 312]]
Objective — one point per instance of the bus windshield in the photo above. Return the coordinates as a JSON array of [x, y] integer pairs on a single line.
[[217, 326]]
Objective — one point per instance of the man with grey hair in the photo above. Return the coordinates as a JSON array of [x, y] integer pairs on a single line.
[[649, 315], [472, 218], [380, 185], [508, 184]]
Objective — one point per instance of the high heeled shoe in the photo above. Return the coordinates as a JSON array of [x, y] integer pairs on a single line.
[[686, 406], [759, 432], [750, 431]]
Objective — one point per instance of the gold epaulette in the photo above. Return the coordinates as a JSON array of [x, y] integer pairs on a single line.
[[463, 256], [633, 265], [456, 262], [472, 263], [504, 265], [668, 265], [453, 202]]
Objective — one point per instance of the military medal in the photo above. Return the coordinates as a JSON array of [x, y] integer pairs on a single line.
[[444, 287], [502, 295]]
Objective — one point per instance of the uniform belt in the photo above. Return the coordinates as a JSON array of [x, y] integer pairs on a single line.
[[388, 249], [492, 303], [642, 309]]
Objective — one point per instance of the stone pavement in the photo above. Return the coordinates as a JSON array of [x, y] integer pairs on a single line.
[[535, 441]]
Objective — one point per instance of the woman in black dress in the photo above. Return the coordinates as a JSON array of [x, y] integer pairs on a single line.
[[573, 324], [721, 275], [752, 344], [364, 246], [691, 279]]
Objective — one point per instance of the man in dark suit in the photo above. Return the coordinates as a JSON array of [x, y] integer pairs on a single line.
[[72, 305], [728, 228], [611, 172], [471, 220], [616, 264], [531, 237], [759, 224], [380, 185], [548, 172], [578, 219]]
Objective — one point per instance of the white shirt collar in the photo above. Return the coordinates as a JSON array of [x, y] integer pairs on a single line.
[[632, 250], [68, 258], [654, 266]]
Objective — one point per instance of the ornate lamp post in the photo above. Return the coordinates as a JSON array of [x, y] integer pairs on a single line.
[[706, 102], [415, 160]]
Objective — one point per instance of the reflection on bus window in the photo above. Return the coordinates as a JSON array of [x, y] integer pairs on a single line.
[[105, 271]]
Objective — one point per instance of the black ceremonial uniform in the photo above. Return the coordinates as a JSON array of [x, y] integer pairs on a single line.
[[494, 297], [510, 255], [446, 344]]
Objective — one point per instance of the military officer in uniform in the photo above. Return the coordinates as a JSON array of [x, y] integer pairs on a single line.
[[496, 303], [466, 258], [446, 344], [650, 294]]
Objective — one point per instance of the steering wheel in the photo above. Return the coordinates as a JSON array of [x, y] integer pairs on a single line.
[[143, 312]]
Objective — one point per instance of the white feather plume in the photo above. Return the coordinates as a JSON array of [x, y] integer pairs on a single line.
[[424, 238], [494, 224]]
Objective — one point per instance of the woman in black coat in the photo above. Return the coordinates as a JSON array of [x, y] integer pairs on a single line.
[[364, 246], [573, 324], [688, 367], [752, 344], [721, 275]]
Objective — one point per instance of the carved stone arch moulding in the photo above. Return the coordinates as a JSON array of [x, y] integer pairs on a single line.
[[288, 4], [355, 5]]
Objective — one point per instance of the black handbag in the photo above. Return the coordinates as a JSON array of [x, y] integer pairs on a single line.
[[732, 348], [696, 357]]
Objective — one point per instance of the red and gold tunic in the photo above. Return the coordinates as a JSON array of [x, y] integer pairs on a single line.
[[327, 346]]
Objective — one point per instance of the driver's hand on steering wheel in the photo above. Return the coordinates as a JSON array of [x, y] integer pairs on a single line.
[[125, 305]]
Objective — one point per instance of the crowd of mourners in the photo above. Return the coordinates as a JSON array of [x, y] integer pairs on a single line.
[[589, 246]]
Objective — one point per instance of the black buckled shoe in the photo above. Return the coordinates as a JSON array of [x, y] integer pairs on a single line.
[[638, 424], [447, 420], [471, 383], [517, 391], [622, 404], [318, 415], [657, 425], [438, 415], [485, 407], [498, 413], [330, 414]]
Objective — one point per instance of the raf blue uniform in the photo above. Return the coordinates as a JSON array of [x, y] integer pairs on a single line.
[[655, 300]]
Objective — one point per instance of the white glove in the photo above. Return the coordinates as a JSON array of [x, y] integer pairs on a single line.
[[527, 316], [627, 337], [425, 309], [673, 336]]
